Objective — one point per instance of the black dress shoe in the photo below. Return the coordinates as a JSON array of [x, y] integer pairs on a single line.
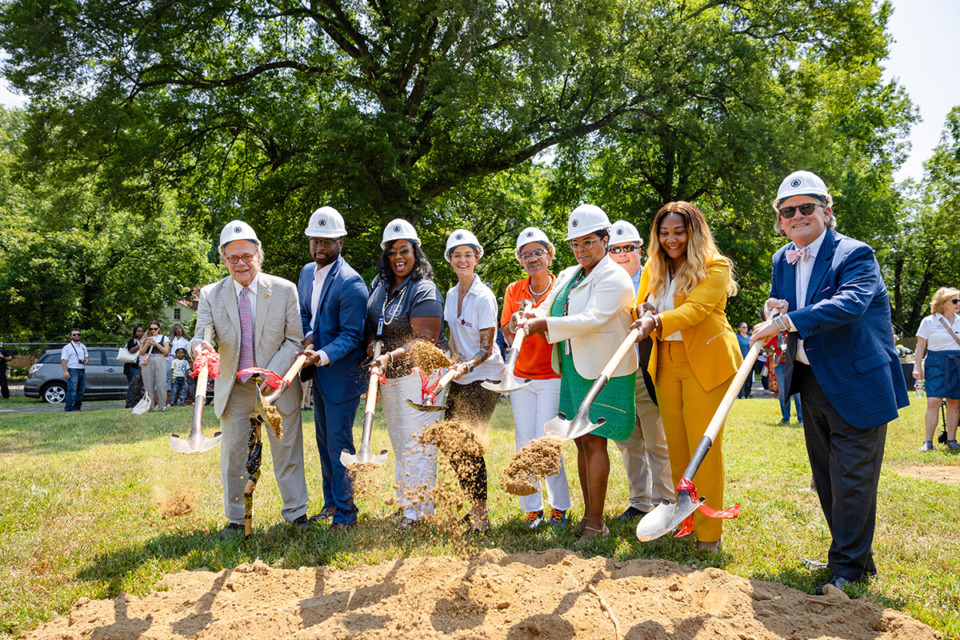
[[232, 529], [835, 581], [632, 513], [303, 523]]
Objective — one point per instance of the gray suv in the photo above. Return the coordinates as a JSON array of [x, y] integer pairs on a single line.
[[105, 378]]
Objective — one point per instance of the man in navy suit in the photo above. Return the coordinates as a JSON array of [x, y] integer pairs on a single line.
[[333, 307], [840, 359]]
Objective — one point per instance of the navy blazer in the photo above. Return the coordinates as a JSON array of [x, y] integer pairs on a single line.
[[846, 329], [338, 329]]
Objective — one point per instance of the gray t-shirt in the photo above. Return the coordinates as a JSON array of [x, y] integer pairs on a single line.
[[412, 299]]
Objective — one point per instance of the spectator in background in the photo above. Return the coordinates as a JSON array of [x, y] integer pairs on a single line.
[[132, 369], [74, 357], [743, 338], [178, 340], [939, 338], [5, 357], [178, 374], [153, 365], [779, 370]]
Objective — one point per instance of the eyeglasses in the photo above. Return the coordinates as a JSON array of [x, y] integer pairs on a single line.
[[326, 243], [586, 245], [403, 253], [804, 209], [532, 255], [627, 248], [246, 258], [955, 301], [154, 328]]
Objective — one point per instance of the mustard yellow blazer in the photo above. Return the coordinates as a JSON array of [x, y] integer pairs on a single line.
[[700, 317]]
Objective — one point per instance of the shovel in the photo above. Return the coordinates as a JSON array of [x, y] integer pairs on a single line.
[[265, 404], [196, 442], [666, 517], [509, 382], [565, 429], [430, 394], [365, 454]]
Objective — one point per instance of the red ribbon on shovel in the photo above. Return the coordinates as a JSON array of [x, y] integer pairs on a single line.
[[687, 527], [209, 360], [272, 379]]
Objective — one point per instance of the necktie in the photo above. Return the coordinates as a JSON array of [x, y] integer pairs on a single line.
[[801, 254], [246, 335]]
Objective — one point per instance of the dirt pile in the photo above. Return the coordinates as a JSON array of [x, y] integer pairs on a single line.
[[179, 504], [427, 357], [554, 595], [539, 458]]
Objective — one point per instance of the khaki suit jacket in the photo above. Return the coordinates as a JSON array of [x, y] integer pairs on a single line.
[[598, 319], [278, 334]]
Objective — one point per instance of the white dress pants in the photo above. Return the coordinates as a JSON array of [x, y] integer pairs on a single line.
[[533, 406], [645, 455], [287, 454], [415, 469]]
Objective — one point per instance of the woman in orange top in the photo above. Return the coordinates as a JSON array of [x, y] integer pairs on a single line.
[[538, 402], [695, 351]]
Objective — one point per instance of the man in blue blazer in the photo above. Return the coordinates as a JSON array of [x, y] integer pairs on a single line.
[[333, 308], [840, 359]]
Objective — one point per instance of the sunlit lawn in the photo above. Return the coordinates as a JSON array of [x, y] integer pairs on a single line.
[[79, 513]]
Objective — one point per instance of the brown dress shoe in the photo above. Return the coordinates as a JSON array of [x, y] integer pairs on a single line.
[[325, 514], [340, 526]]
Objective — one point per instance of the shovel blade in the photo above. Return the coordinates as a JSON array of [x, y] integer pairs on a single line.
[[361, 456], [426, 406], [565, 429], [507, 385], [666, 517], [194, 444]]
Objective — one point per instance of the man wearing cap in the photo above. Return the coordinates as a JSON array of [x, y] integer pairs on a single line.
[[840, 359], [333, 308], [256, 321], [645, 454]]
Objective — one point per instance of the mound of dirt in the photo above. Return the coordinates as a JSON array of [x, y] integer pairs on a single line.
[[554, 595], [539, 458]]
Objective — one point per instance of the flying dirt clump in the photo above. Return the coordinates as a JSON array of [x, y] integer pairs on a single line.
[[427, 357], [539, 458], [452, 437]]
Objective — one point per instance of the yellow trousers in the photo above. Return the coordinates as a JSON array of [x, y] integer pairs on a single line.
[[686, 410]]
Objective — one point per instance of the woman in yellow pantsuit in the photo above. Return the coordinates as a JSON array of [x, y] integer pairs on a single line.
[[695, 352]]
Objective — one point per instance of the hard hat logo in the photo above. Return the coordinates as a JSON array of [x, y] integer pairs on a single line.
[[237, 229], [322, 223], [619, 232], [795, 183], [396, 228], [459, 236], [529, 234], [575, 223]]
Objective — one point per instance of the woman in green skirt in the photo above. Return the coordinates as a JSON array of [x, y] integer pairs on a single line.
[[586, 317]]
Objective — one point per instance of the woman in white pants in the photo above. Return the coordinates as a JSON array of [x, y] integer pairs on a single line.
[[538, 402], [153, 365], [405, 305]]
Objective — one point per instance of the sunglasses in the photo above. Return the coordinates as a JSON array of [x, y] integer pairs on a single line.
[[955, 301], [804, 209], [627, 248]]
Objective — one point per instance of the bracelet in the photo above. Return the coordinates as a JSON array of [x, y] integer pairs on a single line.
[[656, 321], [390, 354]]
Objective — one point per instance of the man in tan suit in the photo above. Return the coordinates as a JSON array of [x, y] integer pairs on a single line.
[[256, 321]]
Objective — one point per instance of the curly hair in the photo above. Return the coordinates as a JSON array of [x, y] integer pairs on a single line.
[[940, 298], [421, 265], [700, 249]]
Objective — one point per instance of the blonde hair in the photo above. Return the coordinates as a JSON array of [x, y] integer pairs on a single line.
[[940, 298], [701, 248]]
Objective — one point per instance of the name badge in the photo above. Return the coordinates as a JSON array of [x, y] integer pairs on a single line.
[[380, 328]]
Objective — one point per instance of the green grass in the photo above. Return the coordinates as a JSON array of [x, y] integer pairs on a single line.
[[79, 515]]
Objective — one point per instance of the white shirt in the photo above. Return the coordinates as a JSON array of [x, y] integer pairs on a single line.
[[665, 303], [479, 312], [177, 343], [74, 353], [251, 296], [804, 269], [319, 277], [936, 335]]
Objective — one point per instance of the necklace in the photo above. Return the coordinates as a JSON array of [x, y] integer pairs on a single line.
[[537, 294], [396, 309]]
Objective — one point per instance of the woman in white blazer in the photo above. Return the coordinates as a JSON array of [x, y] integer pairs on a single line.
[[586, 317]]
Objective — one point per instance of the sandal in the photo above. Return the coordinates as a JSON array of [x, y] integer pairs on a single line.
[[592, 532]]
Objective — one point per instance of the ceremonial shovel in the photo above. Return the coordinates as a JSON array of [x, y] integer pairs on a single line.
[[666, 517], [265, 402], [565, 429], [196, 442], [509, 382], [365, 454], [430, 394]]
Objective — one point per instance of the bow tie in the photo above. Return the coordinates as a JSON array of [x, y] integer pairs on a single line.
[[801, 254]]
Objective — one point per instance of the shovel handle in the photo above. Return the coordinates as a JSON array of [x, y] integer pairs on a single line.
[[622, 350], [200, 395], [371, 403], [444, 381]]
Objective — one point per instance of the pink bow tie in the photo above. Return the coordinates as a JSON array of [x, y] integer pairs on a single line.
[[801, 254]]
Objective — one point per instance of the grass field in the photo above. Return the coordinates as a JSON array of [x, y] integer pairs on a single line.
[[79, 515]]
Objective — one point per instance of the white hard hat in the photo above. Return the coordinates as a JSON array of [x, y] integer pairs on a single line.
[[802, 183], [459, 238], [622, 231], [325, 222], [532, 234], [585, 219], [237, 230], [399, 229]]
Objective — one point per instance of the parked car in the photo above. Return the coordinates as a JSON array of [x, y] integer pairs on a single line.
[[105, 378]]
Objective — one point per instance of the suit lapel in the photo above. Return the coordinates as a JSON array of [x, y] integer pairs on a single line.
[[789, 291], [820, 266], [229, 296], [263, 303]]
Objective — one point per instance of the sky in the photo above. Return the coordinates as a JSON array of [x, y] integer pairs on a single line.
[[923, 58]]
